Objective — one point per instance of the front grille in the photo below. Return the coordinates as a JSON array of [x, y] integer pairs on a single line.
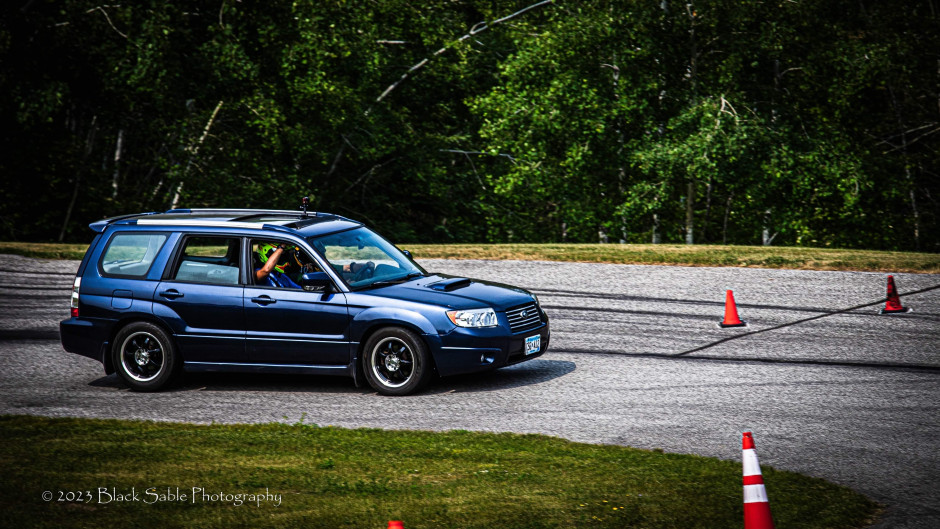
[[524, 317]]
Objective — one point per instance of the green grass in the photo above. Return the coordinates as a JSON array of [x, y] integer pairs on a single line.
[[692, 255], [662, 254], [334, 478], [42, 250]]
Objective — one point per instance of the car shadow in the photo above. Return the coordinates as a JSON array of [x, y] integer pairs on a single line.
[[246, 382], [533, 372]]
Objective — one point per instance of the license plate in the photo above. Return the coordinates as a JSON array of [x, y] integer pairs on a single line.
[[533, 344]]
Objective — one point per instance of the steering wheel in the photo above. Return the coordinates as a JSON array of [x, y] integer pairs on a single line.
[[366, 271]]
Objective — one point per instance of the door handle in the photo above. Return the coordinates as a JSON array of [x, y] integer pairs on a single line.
[[171, 294], [263, 300]]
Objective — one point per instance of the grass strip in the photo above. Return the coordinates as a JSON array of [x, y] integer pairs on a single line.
[[42, 250], [798, 258], [337, 478]]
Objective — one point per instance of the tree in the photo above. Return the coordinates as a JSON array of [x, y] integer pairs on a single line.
[[603, 120]]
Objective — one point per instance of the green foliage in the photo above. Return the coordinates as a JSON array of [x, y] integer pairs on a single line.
[[814, 123]]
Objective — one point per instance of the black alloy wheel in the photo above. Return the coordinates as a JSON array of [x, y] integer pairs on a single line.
[[144, 356], [396, 362]]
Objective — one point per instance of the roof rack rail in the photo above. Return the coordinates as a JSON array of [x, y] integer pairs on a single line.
[[292, 215], [238, 212], [99, 225]]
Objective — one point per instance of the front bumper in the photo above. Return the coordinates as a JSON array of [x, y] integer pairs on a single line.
[[466, 350]]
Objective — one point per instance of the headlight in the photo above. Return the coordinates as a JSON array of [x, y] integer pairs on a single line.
[[473, 318]]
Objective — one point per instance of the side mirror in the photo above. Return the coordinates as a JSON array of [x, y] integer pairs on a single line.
[[316, 282], [408, 254]]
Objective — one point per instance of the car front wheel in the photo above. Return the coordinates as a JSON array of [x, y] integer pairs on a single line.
[[144, 356], [396, 362]]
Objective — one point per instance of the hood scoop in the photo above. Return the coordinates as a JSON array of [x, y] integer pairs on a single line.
[[451, 284]]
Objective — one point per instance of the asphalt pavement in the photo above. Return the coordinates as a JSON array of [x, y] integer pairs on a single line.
[[829, 387]]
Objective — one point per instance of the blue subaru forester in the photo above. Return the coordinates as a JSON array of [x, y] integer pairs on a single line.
[[274, 291]]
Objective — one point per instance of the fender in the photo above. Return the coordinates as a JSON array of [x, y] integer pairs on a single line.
[[125, 320], [367, 321], [381, 316]]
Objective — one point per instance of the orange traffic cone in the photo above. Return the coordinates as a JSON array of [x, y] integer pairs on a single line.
[[756, 506], [396, 525], [731, 313], [893, 303]]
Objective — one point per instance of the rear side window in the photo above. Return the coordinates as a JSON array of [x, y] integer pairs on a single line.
[[211, 260], [131, 254]]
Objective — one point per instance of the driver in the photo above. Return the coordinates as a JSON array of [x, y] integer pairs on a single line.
[[272, 270], [356, 271]]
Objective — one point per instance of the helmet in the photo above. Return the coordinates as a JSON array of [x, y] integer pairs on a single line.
[[265, 252]]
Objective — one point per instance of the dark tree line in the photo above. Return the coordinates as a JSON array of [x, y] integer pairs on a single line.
[[791, 122]]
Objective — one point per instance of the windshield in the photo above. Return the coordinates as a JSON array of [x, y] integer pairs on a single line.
[[363, 258]]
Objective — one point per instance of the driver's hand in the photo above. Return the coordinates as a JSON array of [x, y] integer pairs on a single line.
[[359, 266], [355, 267]]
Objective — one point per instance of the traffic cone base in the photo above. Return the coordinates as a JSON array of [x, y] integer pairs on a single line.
[[757, 515], [731, 313], [902, 310]]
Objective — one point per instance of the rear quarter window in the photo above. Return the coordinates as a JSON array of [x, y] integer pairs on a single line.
[[131, 254], [211, 260]]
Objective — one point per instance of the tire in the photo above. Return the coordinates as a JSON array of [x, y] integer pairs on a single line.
[[144, 356], [396, 362]]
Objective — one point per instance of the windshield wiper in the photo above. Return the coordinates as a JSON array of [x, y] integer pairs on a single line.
[[396, 281]]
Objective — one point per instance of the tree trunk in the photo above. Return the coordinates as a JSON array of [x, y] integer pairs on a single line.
[[766, 238], [89, 145], [194, 150], [724, 226], [690, 213], [693, 51], [117, 163], [915, 211], [621, 167], [708, 212]]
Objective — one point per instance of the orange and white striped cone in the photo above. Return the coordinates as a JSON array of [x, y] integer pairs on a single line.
[[756, 506]]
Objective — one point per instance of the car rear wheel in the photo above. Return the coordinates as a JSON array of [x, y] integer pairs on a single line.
[[396, 362], [144, 356]]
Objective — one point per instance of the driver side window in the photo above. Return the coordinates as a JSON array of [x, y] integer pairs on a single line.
[[279, 264]]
